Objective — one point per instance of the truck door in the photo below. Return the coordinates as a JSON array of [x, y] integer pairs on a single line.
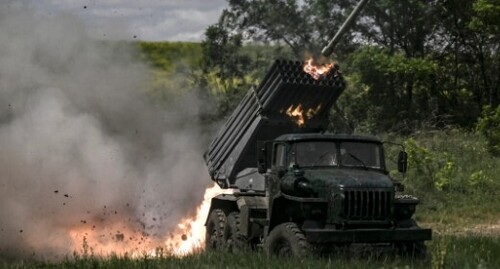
[[278, 168]]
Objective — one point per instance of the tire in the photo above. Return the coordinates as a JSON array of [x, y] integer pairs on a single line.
[[414, 249], [287, 240], [215, 230], [233, 239]]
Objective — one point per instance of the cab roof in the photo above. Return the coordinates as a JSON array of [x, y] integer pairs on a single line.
[[318, 136]]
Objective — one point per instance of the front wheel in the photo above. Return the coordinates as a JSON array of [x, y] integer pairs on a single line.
[[287, 240], [416, 250]]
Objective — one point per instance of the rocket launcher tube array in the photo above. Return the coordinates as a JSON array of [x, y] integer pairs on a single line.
[[261, 115]]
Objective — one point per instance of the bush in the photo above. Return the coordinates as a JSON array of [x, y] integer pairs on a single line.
[[448, 162], [489, 126]]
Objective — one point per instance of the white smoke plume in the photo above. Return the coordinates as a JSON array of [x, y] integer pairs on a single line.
[[81, 145]]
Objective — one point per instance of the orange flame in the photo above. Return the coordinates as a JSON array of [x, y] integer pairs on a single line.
[[192, 229], [313, 111], [114, 239], [317, 71], [299, 115], [118, 238]]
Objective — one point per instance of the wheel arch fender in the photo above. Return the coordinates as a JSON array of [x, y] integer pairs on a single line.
[[277, 216], [225, 202]]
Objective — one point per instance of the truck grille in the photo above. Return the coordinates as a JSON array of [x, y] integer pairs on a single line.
[[367, 204]]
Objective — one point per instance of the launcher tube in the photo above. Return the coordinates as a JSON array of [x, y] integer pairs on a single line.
[[328, 50]]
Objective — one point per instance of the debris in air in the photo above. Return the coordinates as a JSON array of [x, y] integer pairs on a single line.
[[120, 237]]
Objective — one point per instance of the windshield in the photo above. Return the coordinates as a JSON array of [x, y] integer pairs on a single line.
[[334, 153], [316, 153], [360, 154]]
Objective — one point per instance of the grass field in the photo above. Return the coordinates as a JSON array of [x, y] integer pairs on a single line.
[[449, 251], [451, 172]]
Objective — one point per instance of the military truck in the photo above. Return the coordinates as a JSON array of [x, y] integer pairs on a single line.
[[298, 189]]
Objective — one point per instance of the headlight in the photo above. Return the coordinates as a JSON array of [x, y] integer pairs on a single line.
[[297, 186]]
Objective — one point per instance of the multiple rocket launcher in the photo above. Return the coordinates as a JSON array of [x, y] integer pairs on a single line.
[[286, 95]]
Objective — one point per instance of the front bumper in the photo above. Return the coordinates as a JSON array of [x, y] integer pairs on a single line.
[[367, 235]]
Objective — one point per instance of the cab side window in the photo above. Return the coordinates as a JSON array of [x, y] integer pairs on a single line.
[[279, 158]]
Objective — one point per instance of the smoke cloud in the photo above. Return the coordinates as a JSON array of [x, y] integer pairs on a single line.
[[82, 148]]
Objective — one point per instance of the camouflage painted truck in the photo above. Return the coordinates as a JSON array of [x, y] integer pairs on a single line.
[[296, 188]]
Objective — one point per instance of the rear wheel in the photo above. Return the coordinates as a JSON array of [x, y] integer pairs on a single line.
[[215, 229], [287, 240], [234, 240]]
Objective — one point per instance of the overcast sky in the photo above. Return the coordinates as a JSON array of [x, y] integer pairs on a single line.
[[152, 20]]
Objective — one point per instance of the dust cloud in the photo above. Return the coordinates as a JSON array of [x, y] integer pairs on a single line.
[[82, 148]]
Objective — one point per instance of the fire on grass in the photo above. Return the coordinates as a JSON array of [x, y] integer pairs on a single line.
[[122, 240]]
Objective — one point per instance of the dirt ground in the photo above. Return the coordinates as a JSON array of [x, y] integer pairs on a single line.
[[484, 229]]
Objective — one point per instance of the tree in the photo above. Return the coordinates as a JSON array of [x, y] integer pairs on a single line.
[[408, 62], [304, 26], [486, 20]]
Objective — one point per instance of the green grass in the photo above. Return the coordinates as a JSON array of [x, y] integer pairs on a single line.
[[446, 251], [454, 176], [167, 55], [172, 66]]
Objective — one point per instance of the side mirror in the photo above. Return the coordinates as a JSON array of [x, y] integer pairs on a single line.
[[402, 162], [261, 157]]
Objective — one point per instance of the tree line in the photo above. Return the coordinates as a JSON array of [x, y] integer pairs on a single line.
[[409, 64]]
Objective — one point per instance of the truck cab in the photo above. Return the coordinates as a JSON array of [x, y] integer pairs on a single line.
[[341, 181]]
